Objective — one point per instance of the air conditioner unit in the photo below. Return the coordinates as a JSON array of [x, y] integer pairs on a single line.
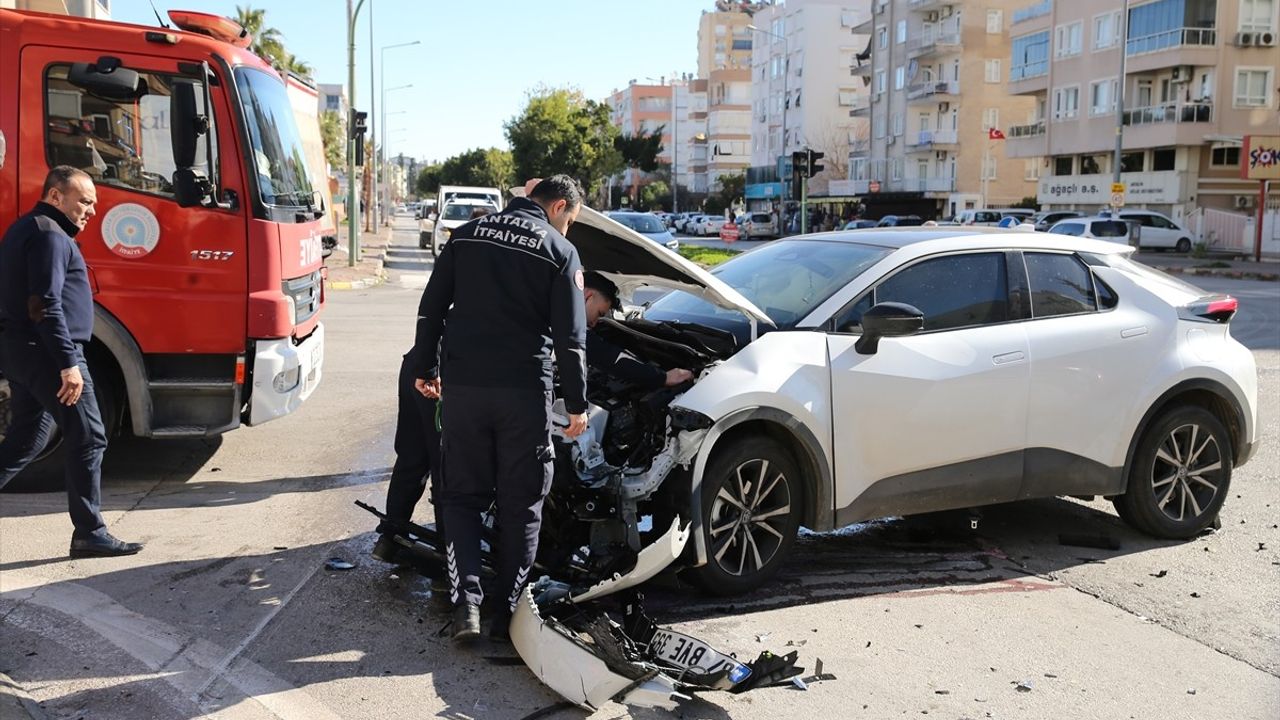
[[1244, 202], [1265, 39], [1246, 39], [931, 16], [945, 12], [944, 107], [1182, 73]]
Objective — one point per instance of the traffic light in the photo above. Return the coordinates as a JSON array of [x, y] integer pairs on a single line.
[[799, 161], [813, 168], [359, 123]]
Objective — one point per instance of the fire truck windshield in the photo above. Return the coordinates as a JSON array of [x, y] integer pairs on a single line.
[[280, 162]]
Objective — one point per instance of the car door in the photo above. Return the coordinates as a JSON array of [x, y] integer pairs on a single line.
[[1087, 353], [1154, 232], [936, 420]]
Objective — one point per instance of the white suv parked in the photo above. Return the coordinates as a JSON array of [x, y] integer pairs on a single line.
[[1158, 231], [849, 376]]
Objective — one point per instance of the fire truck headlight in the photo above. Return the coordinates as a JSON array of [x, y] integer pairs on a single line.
[[287, 380]]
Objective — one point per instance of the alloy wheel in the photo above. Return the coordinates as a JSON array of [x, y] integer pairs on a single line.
[[749, 517], [1187, 472]]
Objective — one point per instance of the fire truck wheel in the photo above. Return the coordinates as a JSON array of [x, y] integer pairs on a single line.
[[45, 473]]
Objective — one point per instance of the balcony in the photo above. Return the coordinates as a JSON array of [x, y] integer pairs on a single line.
[[936, 39], [860, 147], [923, 5], [862, 69], [926, 185], [929, 91], [1179, 46], [1030, 12], [1167, 124], [1026, 141], [931, 139], [861, 106]]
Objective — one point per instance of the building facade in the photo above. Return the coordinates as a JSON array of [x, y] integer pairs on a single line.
[[640, 108], [332, 97], [724, 63], [802, 94], [1198, 75], [98, 9], [936, 71]]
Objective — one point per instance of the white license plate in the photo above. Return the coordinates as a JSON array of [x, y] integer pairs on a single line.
[[679, 650]]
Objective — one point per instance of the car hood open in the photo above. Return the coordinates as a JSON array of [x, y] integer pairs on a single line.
[[632, 260]]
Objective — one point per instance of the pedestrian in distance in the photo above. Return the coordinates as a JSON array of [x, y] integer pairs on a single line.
[[46, 319], [509, 289]]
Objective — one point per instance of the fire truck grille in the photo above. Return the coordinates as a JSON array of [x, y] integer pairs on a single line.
[[305, 292]]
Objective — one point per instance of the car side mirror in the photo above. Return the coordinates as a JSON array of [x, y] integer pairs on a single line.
[[887, 319]]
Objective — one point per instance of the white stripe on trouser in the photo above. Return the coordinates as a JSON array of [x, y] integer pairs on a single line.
[[453, 574], [515, 590]]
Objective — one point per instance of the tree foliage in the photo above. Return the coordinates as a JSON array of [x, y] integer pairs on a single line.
[[268, 43], [655, 196], [331, 136], [428, 182], [731, 191], [640, 150], [561, 131], [491, 167]]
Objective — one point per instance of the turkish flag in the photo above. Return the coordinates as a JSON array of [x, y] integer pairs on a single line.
[[994, 134]]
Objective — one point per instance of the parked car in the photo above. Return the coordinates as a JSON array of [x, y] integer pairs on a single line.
[[1046, 219], [648, 226], [757, 225], [952, 368], [900, 221], [991, 216], [859, 224], [1159, 231], [710, 225], [1117, 231], [455, 213], [426, 225], [681, 221], [664, 217]]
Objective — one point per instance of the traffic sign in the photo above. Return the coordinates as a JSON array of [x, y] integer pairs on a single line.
[[729, 233], [1117, 188], [1117, 199], [874, 186]]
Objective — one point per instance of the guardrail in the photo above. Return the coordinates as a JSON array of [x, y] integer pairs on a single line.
[[933, 137], [1026, 131], [922, 90], [1177, 37], [1025, 71], [1169, 113]]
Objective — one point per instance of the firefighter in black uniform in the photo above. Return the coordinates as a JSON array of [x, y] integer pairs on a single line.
[[601, 296], [511, 287]]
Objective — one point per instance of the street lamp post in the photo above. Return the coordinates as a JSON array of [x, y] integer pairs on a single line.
[[353, 204], [373, 117], [1124, 50], [383, 155]]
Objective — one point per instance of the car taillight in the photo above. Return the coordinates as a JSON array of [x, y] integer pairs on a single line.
[[1211, 308]]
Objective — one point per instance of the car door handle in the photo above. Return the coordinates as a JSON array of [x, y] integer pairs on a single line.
[[1133, 332], [1009, 357]]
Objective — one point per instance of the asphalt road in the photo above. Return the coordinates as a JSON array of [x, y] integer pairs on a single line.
[[230, 612]]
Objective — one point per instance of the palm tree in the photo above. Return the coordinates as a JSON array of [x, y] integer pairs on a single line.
[[268, 43], [298, 67]]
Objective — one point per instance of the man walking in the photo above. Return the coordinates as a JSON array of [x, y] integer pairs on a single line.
[[46, 317], [510, 285]]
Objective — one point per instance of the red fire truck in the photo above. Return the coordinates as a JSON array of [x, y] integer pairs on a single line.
[[205, 255]]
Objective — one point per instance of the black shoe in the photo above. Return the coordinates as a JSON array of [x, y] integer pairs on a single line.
[[388, 550], [500, 626], [103, 545], [466, 622]]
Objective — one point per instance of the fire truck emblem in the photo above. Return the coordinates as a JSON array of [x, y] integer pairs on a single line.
[[130, 230]]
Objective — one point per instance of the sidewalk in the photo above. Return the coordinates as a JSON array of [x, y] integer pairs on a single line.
[[367, 273], [1228, 267]]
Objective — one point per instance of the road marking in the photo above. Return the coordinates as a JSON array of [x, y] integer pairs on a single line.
[[191, 665]]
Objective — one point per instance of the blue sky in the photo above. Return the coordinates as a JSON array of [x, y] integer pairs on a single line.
[[477, 58]]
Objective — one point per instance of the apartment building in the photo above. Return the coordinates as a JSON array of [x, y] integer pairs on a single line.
[[99, 9], [332, 97], [938, 86], [641, 108], [802, 94], [1197, 76], [724, 62]]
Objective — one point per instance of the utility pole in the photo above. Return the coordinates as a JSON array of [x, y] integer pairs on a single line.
[[1124, 51], [353, 194], [373, 130]]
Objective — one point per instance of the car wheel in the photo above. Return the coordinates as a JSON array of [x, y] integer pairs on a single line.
[[1183, 246], [1180, 475], [752, 501]]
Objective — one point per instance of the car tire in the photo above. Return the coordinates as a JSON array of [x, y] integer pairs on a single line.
[[741, 556], [1183, 246], [1180, 474], [47, 473]]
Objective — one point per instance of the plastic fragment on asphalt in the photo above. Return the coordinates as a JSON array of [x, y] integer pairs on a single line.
[[1160, 574], [1024, 685], [1191, 691], [796, 643], [800, 684], [761, 637], [337, 563]]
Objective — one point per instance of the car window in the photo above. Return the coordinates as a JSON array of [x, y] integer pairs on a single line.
[[1068, 228], [954, 291], [640, 223], [1060, 285], [1109, 228], [454, 211], [1157, 221]]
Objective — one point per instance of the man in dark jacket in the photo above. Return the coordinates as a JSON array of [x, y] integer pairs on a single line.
[[510, 286], [46, 316], [601, 296]]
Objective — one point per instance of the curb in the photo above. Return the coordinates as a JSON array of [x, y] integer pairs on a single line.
[[379, 277], [14, 699], [1220, 272]]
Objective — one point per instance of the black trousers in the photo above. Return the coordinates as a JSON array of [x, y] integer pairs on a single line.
[[34, 381], [497, 447], [417, 445]]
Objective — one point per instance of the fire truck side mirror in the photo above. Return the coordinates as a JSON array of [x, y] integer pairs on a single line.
[[187, 124], [107, 79]]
